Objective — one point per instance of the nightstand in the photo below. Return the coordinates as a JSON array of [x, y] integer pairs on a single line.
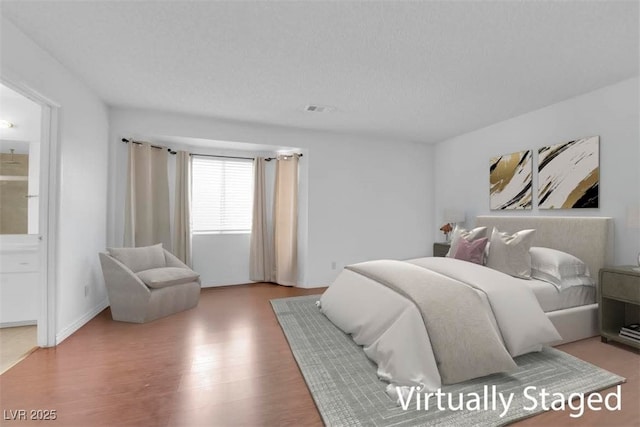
[[441, 248], [618, 302]]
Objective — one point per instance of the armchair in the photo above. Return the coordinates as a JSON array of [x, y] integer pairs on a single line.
[[144, 284]]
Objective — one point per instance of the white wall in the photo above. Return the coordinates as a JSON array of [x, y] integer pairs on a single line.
[[82, 169], [462, 163], [366, 198], [221, 259]]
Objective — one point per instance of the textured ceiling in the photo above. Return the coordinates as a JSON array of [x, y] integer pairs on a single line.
[[420, 71]]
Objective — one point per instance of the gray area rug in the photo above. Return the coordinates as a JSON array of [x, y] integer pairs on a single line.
[[347, 391]]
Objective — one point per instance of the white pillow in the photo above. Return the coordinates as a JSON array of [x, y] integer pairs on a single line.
[[487, 248], [468, 235], [509, 253], [559, 268]]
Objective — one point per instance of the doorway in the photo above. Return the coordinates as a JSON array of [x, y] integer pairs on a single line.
[[25, 150]]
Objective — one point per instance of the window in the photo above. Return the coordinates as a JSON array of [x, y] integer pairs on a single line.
[[221, 195]]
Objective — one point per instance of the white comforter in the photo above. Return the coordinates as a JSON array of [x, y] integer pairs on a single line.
[[392, 332]]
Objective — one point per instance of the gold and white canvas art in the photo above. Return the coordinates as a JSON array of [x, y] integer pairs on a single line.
[[510, 178], [569, 174]]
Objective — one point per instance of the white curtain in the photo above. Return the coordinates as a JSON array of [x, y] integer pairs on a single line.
[[182, 214], [285, 221], [147, 206], [261, 256]]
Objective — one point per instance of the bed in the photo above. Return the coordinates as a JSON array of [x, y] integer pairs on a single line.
[[587, 238], [389, 324]]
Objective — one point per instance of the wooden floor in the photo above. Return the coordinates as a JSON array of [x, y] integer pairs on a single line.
[[225, 362], [15, 344]]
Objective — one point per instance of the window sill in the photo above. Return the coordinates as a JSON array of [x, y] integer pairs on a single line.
[[206, 233]]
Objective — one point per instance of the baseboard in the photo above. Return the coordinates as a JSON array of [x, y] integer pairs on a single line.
[[219, 285], [253, 283], [66, 332], [309, 286], [18, 323]]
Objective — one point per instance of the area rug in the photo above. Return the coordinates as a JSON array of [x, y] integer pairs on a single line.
[[347, 391]]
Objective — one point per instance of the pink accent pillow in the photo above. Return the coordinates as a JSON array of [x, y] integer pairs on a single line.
[[471, 251]]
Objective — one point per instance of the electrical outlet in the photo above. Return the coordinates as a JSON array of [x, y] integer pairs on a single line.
[[333, 265], [86, 291]]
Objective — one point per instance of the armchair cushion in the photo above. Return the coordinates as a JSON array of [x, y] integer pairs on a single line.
[[140, 259], [167, 276]]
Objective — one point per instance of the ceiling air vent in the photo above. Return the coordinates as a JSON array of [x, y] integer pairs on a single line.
[[313, 108]]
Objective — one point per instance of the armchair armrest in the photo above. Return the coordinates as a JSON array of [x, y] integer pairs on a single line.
[[120, 279], [174, 261]]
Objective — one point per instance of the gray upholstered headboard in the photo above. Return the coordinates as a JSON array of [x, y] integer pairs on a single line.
[[588, 238]]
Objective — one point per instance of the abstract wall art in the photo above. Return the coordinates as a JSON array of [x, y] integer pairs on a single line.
[[510, 179], [569, 174]]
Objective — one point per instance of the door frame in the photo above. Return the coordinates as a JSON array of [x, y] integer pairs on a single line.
[[48, 207]]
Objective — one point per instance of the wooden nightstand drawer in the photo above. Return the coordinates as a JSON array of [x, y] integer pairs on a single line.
[[621, 286], [440, 249]]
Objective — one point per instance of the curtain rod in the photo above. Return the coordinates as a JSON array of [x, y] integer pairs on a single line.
[[126, 141], [298, 155], [268, 159], [225, 157]]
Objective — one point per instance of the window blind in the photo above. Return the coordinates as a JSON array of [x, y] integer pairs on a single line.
[[221, 195]]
